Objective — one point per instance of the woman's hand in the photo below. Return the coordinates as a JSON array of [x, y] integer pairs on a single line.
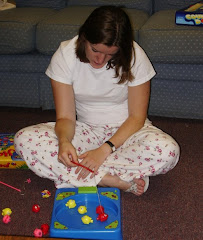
[[92, 159], [67, 154]]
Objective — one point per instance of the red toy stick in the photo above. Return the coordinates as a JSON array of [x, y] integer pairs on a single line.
[[10, 186], [80, 165]]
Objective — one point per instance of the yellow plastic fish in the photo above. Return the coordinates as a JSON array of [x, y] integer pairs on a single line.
[[86, 219], [6, 211], [71, 203], [82, 209]]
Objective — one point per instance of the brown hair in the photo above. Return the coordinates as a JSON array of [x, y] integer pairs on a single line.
[[109, 25]]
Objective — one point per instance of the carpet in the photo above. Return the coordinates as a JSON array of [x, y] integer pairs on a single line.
[[169, 210]]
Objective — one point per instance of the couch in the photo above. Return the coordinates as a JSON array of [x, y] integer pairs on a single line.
[[31, 33]]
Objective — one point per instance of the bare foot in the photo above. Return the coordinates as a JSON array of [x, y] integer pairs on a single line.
[[115, 181], [140, 186]]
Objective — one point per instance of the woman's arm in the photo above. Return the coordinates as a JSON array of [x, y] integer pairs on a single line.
[[138, 100], [65, 121]]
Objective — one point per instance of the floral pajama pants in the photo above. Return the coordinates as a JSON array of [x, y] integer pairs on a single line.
[[148, 152]]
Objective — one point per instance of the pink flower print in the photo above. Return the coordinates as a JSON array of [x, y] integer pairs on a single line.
[[159, 160], [88, 140], [30, 140], [139, 157], [68, 169], [53, 154], [116, 157], [32, 163], [130, 160], [133, 150], [164, 171], [34, 152], [152, 169], [140, 163], [21, 144], [46, 134], [147, 159], [172, 154], [158, 149], [84, 133], [21, 153], [131, 174], [37, 131], [156, 139], [147, 148], [20, 133], [50, 142], [60, 178], [109, 134]]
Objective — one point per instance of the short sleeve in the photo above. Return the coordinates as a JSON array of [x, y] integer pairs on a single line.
[[142, 69], [59, 67]]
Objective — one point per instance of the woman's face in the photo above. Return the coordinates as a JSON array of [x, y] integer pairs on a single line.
[[99, 54]]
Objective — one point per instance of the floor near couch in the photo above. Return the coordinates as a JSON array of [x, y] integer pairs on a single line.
[[170, 209]]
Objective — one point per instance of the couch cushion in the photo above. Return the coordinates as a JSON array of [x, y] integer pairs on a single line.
[[145, 5], [55, 4], [171, 4], [171, 98], [65, 25], [17, 29], [24, 63], [166, 42], [19, 89]]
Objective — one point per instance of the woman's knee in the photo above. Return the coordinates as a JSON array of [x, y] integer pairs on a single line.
[[163, 146]]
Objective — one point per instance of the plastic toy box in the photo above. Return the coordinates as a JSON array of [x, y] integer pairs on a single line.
[[8, 156], [66, 222], [192, 15]]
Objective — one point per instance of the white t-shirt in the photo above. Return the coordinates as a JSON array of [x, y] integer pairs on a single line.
[[99, 99]]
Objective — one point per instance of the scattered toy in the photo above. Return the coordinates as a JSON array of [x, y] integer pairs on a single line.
[[10, 186], [38, 233], [46, 194], [82, 209], [71, 203], [86, 219], [6, 211], [35, 208], [45, 228], [28, 180], [6, 219]]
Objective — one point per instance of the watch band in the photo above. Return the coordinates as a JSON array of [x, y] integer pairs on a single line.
[[113, 148]]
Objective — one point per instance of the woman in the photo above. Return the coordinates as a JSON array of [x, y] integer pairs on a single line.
[[103, 77]]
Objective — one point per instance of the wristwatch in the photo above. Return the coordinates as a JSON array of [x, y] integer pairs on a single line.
[[113, 148]]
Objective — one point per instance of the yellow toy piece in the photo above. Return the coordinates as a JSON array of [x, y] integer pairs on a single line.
[[86, 219], [71, 203], [6, 211], [82, 209]]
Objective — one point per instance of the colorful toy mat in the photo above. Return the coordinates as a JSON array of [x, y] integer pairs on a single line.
[[8, 156]]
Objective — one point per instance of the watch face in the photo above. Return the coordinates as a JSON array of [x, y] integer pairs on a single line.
[[113, 148]]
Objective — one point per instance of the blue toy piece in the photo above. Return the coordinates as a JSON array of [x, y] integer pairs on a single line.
[[67, 223]]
